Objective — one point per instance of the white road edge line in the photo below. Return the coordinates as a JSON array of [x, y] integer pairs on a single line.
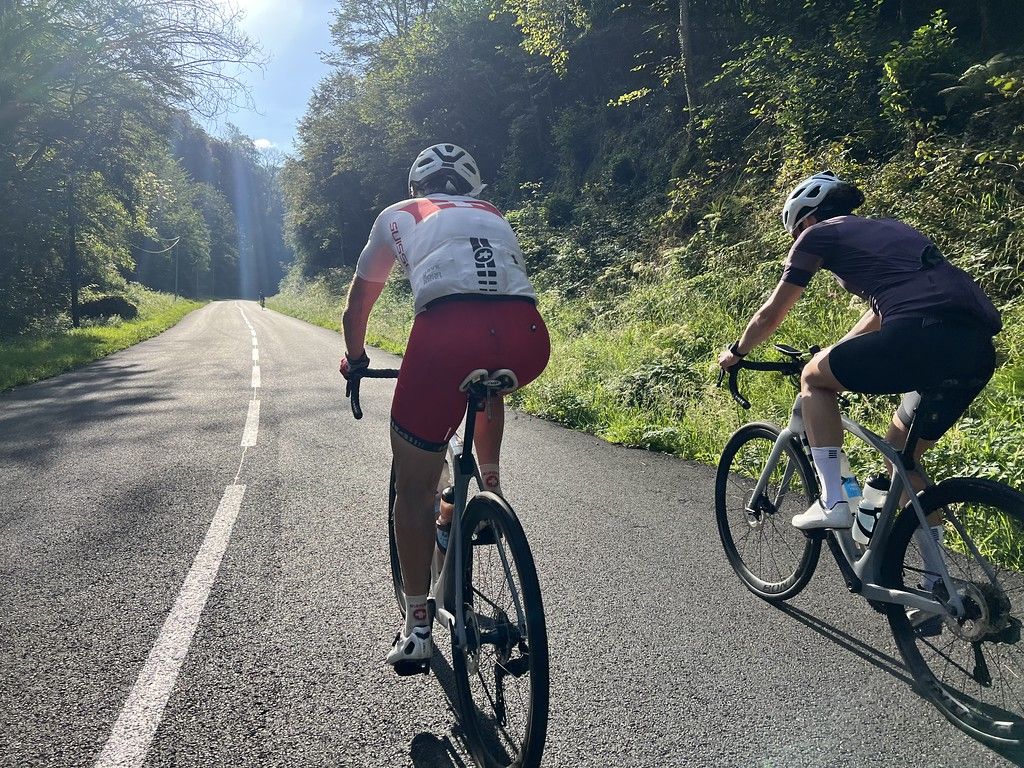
[[255, 377], [252, 425], [136, 726], [255, 354]]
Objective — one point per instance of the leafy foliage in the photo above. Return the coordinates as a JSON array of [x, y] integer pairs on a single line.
[[97, 181], [646, 193]]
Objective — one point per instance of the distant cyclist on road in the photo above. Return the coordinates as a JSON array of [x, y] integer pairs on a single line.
[[263, 300], [928, 323], [475, 308]]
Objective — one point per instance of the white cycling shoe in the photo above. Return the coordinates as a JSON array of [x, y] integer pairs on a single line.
[[817, 517], [410, 654]]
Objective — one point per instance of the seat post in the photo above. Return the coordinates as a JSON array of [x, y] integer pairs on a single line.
[[466, 463]]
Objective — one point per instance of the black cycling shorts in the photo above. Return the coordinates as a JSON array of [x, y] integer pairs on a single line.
[[942, 365]]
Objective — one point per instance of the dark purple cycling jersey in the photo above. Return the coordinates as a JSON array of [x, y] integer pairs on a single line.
[[897, 269]]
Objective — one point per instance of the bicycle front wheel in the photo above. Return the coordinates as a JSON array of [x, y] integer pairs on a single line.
[[971, 668], [502, 673], [772, 558]]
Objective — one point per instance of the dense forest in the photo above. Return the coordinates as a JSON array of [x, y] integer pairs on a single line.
[[104, 176], [643, 151]]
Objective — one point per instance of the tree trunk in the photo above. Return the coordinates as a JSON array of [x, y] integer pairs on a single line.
[[686, 59], [73, 276], [986, 26]]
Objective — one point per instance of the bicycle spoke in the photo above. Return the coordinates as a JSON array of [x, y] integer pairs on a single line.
[[498, 679], [773, 559], [978, 659]]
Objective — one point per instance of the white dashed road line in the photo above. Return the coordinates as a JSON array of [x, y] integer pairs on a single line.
[[252, 424], [142, 711], [135, 727]]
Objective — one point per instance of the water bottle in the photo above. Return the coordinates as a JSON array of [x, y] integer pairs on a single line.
[[851, 489], [443, 522], [875, 491]]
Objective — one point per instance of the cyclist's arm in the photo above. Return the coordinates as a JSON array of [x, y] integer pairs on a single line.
[[770, 316], [362, 295], [868, 323]]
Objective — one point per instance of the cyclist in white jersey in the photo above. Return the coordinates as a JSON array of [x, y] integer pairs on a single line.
[[475, 308]]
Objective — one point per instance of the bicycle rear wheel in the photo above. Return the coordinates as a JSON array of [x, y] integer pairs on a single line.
[[972, 668], [502, 674], [772, 558]]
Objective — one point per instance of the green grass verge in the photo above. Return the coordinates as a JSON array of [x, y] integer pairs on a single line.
[[39, 356], [640, 370], [321, 302]]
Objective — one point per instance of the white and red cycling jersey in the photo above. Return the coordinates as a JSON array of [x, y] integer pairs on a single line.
[[448, 245]]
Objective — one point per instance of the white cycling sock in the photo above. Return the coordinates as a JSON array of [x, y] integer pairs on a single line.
[[490, 478], [826, 462], [416, 613]]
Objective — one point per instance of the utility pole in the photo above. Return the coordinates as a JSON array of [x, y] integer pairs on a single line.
[[175, 247]]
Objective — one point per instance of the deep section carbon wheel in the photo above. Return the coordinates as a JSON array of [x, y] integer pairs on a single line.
[[972, 667], [502, 672], [772, 558]]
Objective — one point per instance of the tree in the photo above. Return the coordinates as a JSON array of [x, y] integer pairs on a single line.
[[361, 26], [103, 107]]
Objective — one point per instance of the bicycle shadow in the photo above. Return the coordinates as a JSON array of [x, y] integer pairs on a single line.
[[887, 663], [427, 750], [883, 661]]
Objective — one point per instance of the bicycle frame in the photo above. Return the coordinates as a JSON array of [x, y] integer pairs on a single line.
[[862, 571], [444, 584]]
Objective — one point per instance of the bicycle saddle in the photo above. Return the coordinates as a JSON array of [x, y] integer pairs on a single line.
[[501, 382]]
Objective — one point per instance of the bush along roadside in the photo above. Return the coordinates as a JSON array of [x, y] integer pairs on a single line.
[[44, 353]]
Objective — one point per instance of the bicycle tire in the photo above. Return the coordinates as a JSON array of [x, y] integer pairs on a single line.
[[975, 694], [765, 527], [396, 564], [498, 648]]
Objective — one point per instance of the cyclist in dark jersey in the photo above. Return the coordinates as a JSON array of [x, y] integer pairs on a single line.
[[928, 324]]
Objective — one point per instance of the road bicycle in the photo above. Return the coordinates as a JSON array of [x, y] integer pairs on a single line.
[[487, 596], [954, 601]]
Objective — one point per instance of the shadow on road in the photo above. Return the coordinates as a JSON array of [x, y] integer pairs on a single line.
[[34, 418], [883, 661], [428, 751]]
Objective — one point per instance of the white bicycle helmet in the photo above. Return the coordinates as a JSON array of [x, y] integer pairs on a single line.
[[807, 197], [451, 163]]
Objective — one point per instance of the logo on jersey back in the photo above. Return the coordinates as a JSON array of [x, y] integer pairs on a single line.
[[486, 269]]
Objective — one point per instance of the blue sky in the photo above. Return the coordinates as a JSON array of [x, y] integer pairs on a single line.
[[292, 33]]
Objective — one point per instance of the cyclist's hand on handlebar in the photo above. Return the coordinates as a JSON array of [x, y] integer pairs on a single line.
[[350, 368], [727, 359]]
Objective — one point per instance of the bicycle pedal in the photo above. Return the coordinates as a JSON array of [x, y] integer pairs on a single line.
[[409, 668]]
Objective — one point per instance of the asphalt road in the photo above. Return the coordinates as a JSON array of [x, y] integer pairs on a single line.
[[126, 498]]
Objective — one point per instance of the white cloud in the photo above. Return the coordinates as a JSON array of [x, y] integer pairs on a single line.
[[263, 143]]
